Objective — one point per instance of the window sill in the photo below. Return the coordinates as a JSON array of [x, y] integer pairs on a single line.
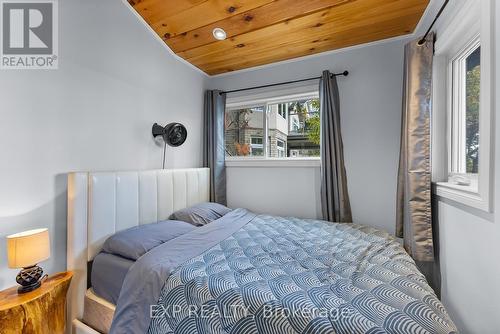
[[466, 195], [281, 163]]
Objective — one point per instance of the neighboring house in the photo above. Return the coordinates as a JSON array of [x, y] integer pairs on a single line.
[[288, 135]]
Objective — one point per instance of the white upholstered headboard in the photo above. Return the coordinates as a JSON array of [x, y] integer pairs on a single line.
[[102, 203]]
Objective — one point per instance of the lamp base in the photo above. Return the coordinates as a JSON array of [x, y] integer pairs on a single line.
[[29, 279], [28, 288]]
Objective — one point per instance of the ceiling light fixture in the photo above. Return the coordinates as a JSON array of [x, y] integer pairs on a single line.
[[219, 34]]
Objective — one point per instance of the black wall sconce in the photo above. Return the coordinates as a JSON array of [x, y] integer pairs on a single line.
[[173, 134]]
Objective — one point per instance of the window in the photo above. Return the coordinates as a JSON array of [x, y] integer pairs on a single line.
[[256, 147], [288, 128], [466, 79], [281, 147], [283, 110], [462, 107], [294, 125], [298, 136], [244, 130]]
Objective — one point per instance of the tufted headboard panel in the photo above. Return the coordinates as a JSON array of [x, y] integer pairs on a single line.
[[103, 203], [121, 200]]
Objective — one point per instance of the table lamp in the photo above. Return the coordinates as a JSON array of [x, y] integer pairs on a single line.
[[25, 250]]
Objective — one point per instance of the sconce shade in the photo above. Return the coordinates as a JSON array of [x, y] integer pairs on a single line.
[[174, 134], [28, 248]]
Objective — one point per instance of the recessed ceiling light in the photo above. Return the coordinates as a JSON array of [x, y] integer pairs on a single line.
[[219, 34]]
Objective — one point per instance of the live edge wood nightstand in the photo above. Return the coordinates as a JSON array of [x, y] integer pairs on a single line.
[[37, 312]]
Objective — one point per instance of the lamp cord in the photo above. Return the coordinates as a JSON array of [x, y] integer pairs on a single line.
[[164, 150]]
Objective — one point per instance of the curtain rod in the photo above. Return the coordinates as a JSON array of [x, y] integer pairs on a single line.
[[345, 73], [422, 40]]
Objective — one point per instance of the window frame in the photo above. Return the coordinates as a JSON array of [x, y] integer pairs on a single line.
[[266, 99], [468, 24], [256, 146], [281, 149]]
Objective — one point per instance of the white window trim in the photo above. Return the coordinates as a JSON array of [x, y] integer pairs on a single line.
[[273, 162], [472, 19], [244, 100], [254, 102], [265, 99]]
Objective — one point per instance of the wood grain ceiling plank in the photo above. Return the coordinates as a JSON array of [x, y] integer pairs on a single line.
[[149, 9], [327, 32], [241, 41], [312, 25], [315, 25], [349, 38], [269, 14], [201, 15], [267, 31], [309, 46]]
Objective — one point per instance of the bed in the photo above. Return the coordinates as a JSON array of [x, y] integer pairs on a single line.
[[242, 273]]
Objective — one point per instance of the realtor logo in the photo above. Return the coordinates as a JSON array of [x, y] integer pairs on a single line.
[[29, 34]]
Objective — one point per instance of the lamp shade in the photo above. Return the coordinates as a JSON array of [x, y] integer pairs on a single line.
[[28, 248]]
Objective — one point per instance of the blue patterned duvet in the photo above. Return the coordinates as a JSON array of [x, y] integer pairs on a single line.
[[288, 275]]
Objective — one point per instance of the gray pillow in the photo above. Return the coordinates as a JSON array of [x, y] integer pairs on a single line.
[[134, 242], [201, 214]]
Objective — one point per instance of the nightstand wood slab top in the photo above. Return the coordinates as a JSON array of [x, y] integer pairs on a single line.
[[39, 311]]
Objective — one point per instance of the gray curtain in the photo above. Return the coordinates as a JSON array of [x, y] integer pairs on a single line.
[[213, 144], [335, 203], [414, 206]]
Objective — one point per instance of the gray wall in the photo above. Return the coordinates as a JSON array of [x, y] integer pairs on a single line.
[[275, 190], [94, 113], [371, 116]]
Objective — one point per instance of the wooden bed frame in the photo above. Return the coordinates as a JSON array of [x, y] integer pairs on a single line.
[[102, 203]]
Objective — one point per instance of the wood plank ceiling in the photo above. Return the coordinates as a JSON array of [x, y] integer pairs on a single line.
[[261, 32]]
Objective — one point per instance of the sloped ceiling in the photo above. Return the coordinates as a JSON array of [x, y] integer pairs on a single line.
[[261, 32]]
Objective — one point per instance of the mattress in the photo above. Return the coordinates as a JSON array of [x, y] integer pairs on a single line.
[[248, 273], [108, 274]]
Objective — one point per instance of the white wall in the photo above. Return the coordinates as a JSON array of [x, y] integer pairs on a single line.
[[371, 115], [469, 238], [115, 79], [280, 191], [470, 270]]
